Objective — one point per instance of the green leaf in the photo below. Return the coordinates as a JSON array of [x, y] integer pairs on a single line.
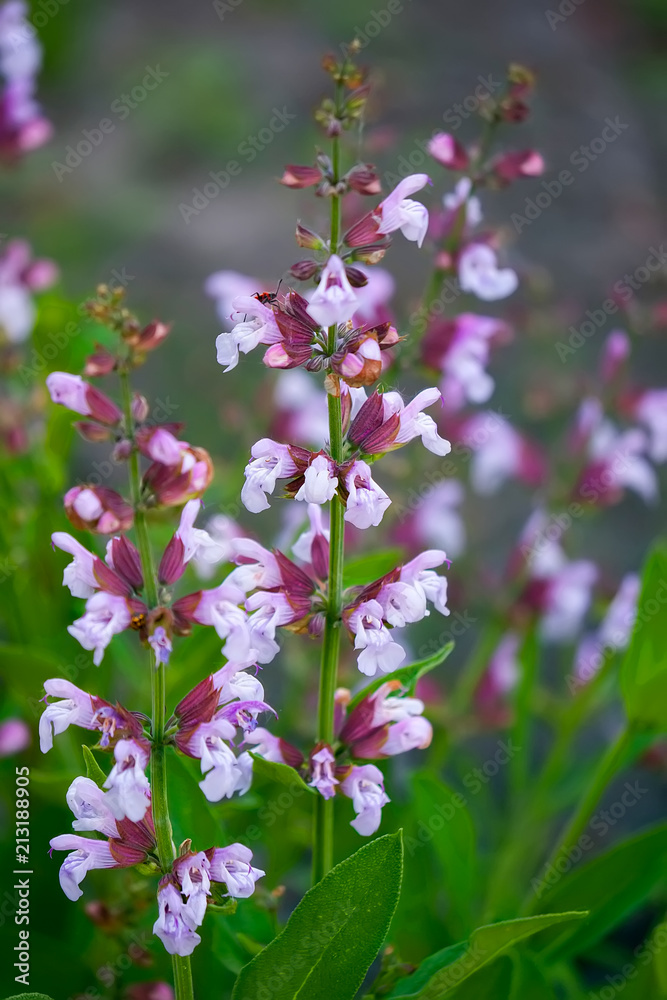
[[644, 666], [408, 676], [282, 774], [93, 769], [445, 823], [529, 981], [485, 945], [29, 996], [493, 980], [366, 569], [612, 886], [335, 932]]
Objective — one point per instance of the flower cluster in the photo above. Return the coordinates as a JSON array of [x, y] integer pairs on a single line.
[[284, 594], [183, 894], [373, 726], [122, 591], [372, 426]]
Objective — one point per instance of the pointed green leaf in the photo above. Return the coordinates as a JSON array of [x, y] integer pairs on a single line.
[[408, 676], [485, 945], [93, 769], [644, 666], [283, 774], [612, 885], [335, 932], [444, 822]]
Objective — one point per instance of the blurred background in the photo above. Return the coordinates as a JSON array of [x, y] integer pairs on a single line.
[[187, 88]]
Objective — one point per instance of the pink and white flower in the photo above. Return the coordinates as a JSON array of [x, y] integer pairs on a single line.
[[259, 328], [320, 481], [323, 779], [91, 808], [174, 925], [79, 575], [86, 855], [129, 793], [106, 615], [366, 501], [365, 786], [270, 462], [76, 394], [399, 211], [373, 638], [333, 301], [232, 865]]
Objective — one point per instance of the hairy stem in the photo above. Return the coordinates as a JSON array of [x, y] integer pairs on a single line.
[[158, 763], [323, 838]]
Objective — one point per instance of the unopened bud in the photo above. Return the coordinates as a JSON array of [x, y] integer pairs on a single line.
[[140, 408]]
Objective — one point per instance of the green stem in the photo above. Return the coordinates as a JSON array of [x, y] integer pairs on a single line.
[[158, 763], [323, 821], [605, 771]]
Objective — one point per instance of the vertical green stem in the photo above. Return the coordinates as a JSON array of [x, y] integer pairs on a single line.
[[324, 815], [158, 763], [605, 771]]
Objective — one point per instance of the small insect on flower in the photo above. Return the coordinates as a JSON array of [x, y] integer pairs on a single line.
[[266, 298], [138, 621]]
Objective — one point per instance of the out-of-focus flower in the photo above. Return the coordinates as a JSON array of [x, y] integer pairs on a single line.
[[499, 680], [460, 349], [22, 125], [523, 163], [650, 409], [614, 632], [225, 286], [20, 277], [435, 520], [14, 737], [617, 462], [479, 273], [76, 394], [615, 353], [500, 453], [458, 198], [98, 509], [448, 151], [558, 590]]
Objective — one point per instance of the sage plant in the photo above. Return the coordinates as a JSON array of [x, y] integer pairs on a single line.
[[325, 332]]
